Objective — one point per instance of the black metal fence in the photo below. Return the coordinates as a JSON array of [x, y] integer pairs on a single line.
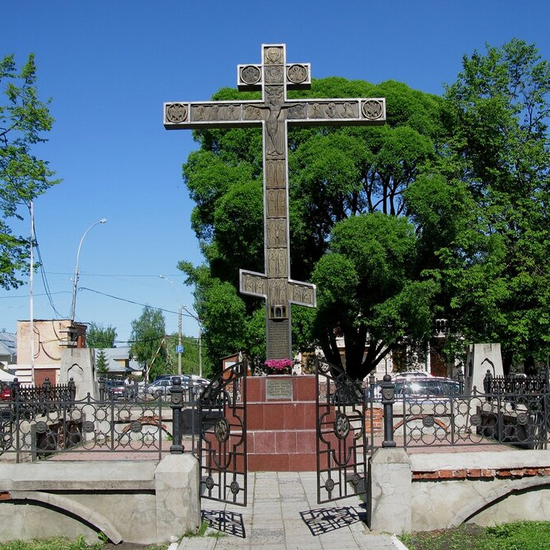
[[520, 418], [39, 422], [42, 421]]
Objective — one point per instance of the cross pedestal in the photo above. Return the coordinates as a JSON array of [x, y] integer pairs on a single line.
[[281, 423]]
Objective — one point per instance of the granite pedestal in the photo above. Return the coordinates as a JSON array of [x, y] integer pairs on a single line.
[[281, 423]]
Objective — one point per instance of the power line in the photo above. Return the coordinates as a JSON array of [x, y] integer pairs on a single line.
[[45, 282], [133, 302]]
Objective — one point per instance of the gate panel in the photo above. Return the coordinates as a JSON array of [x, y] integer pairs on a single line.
[[341, 440], [222, 446]]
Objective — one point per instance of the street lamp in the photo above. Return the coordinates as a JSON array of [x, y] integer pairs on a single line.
[[180, 311], [75, 279], [200, 338]]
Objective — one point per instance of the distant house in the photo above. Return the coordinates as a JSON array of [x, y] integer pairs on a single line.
[[50, 338], [8, 349], [119, 362]]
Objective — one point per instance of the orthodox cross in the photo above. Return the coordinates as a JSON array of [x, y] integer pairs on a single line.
[[275, 113]]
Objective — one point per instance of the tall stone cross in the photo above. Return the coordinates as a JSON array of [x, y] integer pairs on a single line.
[[275, 113]]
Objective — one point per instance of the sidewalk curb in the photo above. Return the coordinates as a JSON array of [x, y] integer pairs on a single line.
[[397, 543]]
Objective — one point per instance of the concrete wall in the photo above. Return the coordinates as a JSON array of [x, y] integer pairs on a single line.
[[440, 490], [139, 501]]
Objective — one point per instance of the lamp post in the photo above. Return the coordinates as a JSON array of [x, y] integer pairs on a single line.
[[180, 312], [200, 338], [75, 279]]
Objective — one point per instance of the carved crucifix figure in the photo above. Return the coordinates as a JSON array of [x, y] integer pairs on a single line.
[[275, 112]]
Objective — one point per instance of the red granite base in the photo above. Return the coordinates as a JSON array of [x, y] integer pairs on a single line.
[[281, 431]]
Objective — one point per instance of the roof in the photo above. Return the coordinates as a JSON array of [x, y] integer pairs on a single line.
[[8, 343], [118, 360]]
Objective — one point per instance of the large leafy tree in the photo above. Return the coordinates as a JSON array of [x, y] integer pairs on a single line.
[[336, 175], [469, 171], [371, 292], [487, 220], [23, 120], [148, 341], [98, 336]]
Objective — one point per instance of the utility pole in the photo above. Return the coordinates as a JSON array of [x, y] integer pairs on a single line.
[[31, 293], [180, 347]]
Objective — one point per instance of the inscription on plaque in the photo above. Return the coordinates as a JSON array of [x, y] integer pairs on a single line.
[[278, 388]]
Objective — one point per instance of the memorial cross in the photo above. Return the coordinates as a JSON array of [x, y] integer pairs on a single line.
[[275, 112]]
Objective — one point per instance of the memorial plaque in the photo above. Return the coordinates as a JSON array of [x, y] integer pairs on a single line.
[[278, 388]]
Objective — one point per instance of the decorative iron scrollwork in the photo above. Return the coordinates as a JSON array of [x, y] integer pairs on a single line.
[[428, 421], [221, 430], [341, 426], [41, 427], [87, 426], [234, 487], [209, 483]]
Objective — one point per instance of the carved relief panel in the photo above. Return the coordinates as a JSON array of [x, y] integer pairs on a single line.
[[276, 233], [276, 203], [276, 262]]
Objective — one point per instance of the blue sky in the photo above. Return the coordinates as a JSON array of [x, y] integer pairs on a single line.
[[109, 66]]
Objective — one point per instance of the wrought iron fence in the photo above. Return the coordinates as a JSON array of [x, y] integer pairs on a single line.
[[46, 393], [520, 418], [42, 421], [516, 383]]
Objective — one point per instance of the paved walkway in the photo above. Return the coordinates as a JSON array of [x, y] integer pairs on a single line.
[[283, 514]]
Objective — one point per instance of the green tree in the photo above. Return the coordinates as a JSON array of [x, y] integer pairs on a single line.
[[487, 221], [469, 172], [335, 175], [371, 292], [148, 342], [23, 177], [101, 366], [98, 336]]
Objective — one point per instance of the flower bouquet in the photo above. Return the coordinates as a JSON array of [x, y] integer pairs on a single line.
[[278, 366]]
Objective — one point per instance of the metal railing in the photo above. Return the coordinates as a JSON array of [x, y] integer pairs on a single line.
[[520, 418], [40, 422]]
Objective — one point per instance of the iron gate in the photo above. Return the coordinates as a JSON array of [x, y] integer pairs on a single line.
[[222, 446], [341, 440]]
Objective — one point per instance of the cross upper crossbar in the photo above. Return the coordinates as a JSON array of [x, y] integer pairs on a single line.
[[275, 113]]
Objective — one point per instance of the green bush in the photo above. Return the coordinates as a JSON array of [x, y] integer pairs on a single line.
[[526, 535]]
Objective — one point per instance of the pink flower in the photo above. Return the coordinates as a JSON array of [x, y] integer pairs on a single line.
[[278, 364]]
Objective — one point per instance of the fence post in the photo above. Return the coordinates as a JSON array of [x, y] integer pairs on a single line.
[[176, 396], [387, 388], [461, 381], [15, 389], [72, 390], [488, 382], [102, 389]]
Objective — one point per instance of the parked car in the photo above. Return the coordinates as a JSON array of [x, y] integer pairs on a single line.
[[115, 389], [5, 391], [418, 387], [412, 374], [161, 386], [158, 387], [431, 387]]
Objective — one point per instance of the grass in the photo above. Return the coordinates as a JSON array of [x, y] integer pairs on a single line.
[[61, 543], [525, 535], [50, 544], [203, 531]]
